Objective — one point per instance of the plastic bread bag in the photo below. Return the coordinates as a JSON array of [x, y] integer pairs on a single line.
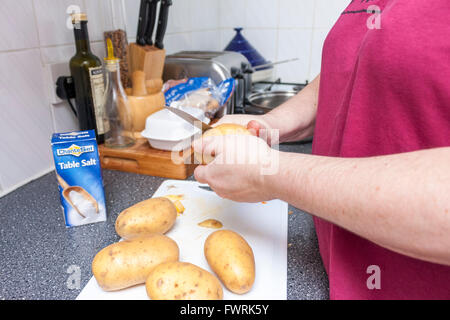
[[201, 93]]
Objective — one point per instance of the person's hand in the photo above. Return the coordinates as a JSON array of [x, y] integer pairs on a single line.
[[240, 166], [258, 125]]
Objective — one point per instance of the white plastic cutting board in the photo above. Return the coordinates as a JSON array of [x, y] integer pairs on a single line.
[[263, 225]]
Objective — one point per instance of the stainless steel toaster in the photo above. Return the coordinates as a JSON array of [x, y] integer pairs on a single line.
[[216, 65]]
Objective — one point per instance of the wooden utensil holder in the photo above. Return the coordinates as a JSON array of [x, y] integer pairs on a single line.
[[148, 59]]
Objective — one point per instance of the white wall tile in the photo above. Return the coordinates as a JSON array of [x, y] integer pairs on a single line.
[[204, 14], [177, 42], [132, 15], [64, 53], [97, 12], [98, 48], [206, 40], [25, 118], [232, 13], [52, 20], [294, 44], [179, 17], [262, 13], [296, 13], [65, 119], [57, 54], [264, 41], [327, 12], [17, 25]]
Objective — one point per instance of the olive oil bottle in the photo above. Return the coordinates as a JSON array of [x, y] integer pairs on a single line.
[[87, 73]]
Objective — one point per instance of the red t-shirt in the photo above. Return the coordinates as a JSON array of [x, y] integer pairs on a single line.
[[383, 90]]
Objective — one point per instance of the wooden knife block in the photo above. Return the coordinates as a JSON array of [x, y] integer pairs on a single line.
[[148, 59]]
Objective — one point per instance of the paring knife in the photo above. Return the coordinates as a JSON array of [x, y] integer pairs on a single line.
[[191, 119], [206, 188], [151, 19], [162, 22]]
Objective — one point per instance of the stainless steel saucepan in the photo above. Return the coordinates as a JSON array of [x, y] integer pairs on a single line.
[[265, 101]]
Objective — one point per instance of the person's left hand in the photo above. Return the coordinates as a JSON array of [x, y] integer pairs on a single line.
[[240, 167]]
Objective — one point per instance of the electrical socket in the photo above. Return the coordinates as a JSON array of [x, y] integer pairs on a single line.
[[52, 72]]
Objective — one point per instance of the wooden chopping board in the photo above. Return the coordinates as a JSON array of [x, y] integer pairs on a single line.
[[143, 159], [263, 225]]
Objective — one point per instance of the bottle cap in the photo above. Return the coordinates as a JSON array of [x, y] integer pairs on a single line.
[[77, 17], [110, 58]]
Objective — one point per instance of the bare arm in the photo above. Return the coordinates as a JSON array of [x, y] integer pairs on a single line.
[[296, 117], [400, 202]]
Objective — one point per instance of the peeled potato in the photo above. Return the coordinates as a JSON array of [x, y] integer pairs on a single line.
[[155, 215], [221, 130]]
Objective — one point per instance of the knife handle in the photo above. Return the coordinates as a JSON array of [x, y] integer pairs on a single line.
[[150, 22], [162, 23], [142, 22]]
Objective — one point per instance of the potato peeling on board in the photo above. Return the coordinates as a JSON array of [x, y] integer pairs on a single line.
[[176, 200], [211, 223]]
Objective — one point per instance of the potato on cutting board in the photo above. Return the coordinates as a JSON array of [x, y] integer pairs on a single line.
[[128, 263], [155, 215], [232, 259], [221, 130], [182, 281]]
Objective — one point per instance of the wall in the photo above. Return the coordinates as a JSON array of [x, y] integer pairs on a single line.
[[33, 34], [283, 29]]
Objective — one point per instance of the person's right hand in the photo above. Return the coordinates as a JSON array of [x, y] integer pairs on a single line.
[[258, 125]]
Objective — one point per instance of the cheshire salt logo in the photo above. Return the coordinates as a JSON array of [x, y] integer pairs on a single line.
[[75, 150]]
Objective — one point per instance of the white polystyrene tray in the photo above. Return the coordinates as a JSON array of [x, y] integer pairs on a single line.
[[263, 225], [164, 130]]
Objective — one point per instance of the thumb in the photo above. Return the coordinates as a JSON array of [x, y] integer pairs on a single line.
[[200, 174], [254, 127]]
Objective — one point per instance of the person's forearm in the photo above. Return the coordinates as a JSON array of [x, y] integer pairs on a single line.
[[296, 117], [400, 202]]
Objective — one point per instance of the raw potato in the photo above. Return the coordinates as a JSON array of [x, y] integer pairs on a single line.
[[128, 263], [221, 130], [211, 223], [231, 258], [156, 215], [182, 281]]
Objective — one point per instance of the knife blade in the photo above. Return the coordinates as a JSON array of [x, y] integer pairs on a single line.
[[151, 19], [162, 23], [191, 119], [206, 188], [142, 22]]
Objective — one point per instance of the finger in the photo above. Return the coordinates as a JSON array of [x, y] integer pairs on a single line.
[[197, 145], [209, 145], [200, 174], [254, 127]]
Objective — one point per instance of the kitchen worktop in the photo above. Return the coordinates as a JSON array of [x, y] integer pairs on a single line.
[[38, 254]]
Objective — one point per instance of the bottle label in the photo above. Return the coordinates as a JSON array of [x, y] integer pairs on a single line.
[[98, 90]]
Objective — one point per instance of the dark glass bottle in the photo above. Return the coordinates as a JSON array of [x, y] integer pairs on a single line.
[[87, 72]]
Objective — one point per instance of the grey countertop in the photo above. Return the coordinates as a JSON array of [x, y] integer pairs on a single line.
[[37, 252]]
